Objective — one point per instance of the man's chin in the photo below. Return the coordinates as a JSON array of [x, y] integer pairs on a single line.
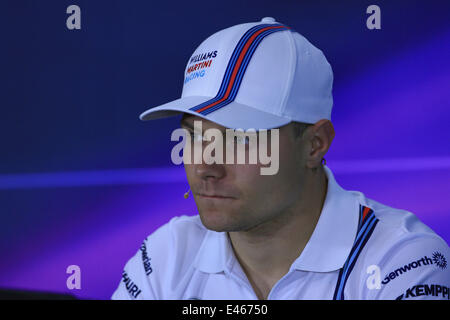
[[219, 222]]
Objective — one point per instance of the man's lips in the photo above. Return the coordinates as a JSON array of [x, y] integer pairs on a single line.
[[214, 196]]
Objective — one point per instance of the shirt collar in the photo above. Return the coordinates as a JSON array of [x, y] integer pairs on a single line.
[[326, 250], [332, 239], [215, 253]]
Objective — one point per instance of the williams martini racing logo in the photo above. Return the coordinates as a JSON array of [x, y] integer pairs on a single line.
[[198, 65]]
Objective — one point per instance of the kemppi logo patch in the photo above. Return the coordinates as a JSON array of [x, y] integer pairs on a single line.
[[434, 290]]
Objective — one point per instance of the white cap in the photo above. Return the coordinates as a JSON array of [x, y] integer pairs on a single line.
[[259, 75]]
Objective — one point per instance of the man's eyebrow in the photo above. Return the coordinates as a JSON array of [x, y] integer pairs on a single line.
[[184, 123]]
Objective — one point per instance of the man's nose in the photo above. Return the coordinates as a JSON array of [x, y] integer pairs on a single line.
[[209, 171]]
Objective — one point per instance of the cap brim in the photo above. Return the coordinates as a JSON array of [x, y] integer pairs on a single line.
[[234, 115]]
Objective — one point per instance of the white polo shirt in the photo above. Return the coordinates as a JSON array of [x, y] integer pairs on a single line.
[[360, 249]]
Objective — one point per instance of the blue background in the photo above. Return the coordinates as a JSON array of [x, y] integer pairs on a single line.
[[83, 181]]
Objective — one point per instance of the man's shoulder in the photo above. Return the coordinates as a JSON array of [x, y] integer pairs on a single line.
[[405, 251], [181, 226], [400, 233], [397, 225], [164, 258], [182, 236]]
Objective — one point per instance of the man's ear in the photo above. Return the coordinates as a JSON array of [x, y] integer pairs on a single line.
[[319, 138]]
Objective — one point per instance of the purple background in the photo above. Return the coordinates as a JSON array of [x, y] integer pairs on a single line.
[[83, 181]]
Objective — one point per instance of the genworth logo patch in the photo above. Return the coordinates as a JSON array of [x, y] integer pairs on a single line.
[[439, 260]]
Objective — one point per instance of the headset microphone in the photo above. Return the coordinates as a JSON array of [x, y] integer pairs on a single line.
[[186, 195]]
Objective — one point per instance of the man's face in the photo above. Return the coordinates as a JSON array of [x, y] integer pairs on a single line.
[[236, 197]]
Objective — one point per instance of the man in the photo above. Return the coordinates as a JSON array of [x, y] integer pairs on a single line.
[[294, 234]]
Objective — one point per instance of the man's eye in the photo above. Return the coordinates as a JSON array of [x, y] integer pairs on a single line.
[[195, 136], [242, 140]]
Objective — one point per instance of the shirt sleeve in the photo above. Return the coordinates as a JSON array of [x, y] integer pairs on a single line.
[[135, 283], [163, 266], [414, 269]]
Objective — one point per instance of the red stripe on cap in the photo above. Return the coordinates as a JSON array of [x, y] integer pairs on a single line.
[[237, 66]]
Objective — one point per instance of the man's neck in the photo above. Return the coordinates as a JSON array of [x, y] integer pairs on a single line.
[[267, 251]]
